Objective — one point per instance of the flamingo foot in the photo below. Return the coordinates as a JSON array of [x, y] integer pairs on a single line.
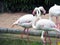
[[49, 40], [44, 41], [22, 36], [43, 38]]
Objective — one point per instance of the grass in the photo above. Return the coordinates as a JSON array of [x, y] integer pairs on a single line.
[[8, 41], [15, 39]]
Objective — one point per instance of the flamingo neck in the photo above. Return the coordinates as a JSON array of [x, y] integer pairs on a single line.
[[34, 22], [37, 18], [38, 13]]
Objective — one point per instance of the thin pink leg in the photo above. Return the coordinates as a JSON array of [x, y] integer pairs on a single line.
[[46, 38], [59, 25], [49, 40], [57, 22], [56, 37], [44, 41], [27, 33], [23, 33]]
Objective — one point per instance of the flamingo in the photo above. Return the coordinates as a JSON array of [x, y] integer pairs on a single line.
[[55, 11], [26, 20], [39, 24]]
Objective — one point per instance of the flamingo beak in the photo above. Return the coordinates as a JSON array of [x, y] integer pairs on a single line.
[[44, 11], [34, 12]]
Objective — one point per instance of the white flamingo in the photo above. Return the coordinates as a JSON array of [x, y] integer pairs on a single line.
[[26, 20], [54, 11], [43, 24]]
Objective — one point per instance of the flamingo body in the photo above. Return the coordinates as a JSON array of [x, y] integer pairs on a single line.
[[44, 24], [25, 21]]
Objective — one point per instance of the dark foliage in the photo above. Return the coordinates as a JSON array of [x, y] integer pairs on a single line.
[[25, 5]]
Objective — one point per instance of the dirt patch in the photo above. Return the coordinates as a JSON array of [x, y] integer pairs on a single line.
[[6, 19]]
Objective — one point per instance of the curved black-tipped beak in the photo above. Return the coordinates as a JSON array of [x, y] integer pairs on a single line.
[[44, 14], [34, 13]]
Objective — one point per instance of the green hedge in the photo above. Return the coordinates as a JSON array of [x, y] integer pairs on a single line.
[[25, 5], [19, 5]]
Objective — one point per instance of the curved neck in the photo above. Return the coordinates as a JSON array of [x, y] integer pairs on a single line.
[[38, 13], [38, 16], [34, 22]]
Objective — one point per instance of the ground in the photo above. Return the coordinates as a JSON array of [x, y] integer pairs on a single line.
[[7, 19]]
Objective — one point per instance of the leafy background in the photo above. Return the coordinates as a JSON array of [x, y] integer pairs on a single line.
[[12, 6]]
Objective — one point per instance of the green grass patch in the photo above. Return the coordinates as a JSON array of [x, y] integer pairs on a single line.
[[14, 39], [4, 41]]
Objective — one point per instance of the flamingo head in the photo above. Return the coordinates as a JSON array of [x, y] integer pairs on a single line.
[[35, 11], [43, 11]]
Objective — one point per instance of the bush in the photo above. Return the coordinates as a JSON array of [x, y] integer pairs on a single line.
[[19, 5], [25, 5]]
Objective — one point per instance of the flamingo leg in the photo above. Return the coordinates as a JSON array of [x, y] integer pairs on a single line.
[[58, 26], [56, 20], [43, 38], [57, 23], [44, 41], [27, 33], [56, 38], [23, 33], [49, 38]]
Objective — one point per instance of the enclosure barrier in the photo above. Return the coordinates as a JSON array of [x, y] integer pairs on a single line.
[[31, 32]]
